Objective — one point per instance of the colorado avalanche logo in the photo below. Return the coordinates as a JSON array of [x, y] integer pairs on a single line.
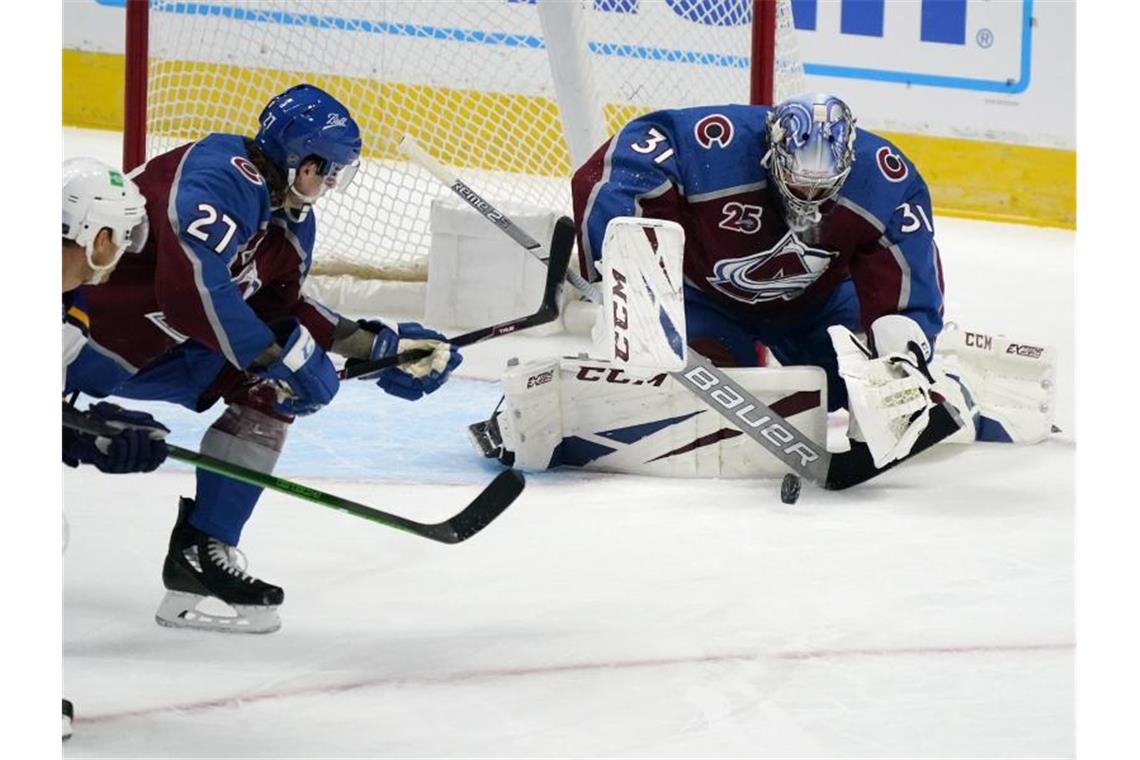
[[782, 272], [891, 164], [714, 129], [247, 169]]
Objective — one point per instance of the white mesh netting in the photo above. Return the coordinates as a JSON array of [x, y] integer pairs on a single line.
[[469, 80]]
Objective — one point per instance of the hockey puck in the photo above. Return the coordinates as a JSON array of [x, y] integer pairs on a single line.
[[790, 489]]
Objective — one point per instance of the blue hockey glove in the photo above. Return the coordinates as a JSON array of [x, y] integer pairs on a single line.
[[412, 380], [137, 445], [306, 380]]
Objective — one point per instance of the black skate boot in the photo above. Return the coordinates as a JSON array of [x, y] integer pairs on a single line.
[[68, 715], [198, 567]]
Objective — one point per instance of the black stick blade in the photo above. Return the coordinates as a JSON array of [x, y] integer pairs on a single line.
[[850, 468], [561, 246], [499, 494]]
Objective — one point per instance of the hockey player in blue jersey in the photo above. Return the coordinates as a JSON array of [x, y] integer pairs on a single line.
[[795, 222], [802, 233], [212, 309]]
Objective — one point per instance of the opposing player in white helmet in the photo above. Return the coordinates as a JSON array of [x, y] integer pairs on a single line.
[[104, 217]]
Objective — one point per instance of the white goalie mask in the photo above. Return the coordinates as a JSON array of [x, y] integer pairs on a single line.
[[97, 196]]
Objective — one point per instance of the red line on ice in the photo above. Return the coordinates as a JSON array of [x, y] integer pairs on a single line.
[[797, 656]]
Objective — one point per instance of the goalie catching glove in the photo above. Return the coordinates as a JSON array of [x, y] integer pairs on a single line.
[[413, 379], [890, 390]]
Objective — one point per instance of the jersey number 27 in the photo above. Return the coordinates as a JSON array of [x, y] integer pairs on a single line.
[[210, 215]]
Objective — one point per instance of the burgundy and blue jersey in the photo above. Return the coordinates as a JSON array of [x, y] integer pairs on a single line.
[[218, 268], [701, 167]]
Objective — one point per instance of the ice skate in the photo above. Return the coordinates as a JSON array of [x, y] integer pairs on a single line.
[[199, 572], [68, 714]]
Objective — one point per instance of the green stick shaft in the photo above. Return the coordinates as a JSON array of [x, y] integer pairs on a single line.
[[496, 497], [274, 483]]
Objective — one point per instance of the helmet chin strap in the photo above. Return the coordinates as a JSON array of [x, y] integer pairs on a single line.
[[307, 201], [100, 273]]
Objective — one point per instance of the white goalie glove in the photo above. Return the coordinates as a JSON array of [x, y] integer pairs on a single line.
[[889, 391]]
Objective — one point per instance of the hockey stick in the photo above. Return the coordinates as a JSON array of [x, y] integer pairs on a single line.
[[489, 504], [409, 147], [561, 245], [832, 471], [811, 461]]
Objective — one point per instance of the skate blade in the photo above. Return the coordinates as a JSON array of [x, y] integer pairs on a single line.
[[66, 728], [180, 610]]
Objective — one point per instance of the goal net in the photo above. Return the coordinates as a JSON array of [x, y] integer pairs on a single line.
[[509, 92]]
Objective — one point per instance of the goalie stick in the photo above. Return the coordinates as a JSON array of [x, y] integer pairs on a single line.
[[832, 471], [561, 245], [811, 461], [499, 494]]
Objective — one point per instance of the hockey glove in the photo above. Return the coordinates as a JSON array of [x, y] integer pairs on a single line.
[[889, 392], [412, 380], [138, 445], [305, 378]]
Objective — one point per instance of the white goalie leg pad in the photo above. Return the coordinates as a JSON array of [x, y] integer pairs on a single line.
[[593, 414], [1010, 384], [530, 422], [644, 306]]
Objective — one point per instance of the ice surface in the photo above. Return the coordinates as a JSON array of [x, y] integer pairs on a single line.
[[927, 613]]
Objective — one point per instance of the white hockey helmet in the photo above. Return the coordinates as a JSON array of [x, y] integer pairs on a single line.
[[97, 196]]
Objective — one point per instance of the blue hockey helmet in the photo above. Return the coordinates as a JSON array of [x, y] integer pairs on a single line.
[[811, 147], [307, 122]]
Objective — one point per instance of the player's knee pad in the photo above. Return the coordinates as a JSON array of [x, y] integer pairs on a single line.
[[1007, 387], [246, 436], [592, 414]]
